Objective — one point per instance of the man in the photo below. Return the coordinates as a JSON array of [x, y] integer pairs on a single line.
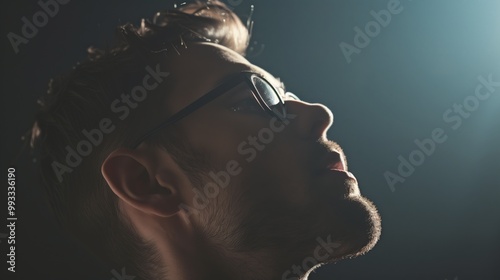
[[174, 157]]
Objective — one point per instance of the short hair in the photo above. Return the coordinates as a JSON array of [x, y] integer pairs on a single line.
[[83, 204]]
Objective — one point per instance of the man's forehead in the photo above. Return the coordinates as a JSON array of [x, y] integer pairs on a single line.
[[211, 62], [199, 68]]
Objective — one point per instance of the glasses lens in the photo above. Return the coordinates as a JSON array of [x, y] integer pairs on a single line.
[[269, 96]]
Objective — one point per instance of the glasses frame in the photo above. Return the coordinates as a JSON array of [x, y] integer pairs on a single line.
[[231, 82]]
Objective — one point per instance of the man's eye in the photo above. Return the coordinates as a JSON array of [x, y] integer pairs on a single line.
[[247, 105]]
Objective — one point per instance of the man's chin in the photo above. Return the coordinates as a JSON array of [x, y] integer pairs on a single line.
[[360, 226]]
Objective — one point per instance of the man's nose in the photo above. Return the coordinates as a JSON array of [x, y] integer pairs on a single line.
[[312, 119]]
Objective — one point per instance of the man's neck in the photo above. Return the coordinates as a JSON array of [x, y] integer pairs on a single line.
[[208, 264]]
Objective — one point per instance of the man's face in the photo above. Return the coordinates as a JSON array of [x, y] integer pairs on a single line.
[[267, 186]]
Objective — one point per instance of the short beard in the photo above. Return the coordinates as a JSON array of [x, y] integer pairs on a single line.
[[246, 225]]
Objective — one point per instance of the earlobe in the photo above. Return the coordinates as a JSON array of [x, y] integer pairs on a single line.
[[133, 176]]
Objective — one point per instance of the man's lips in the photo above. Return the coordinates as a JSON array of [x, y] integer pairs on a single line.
[[339, 165], [333, 161], [336, 172]]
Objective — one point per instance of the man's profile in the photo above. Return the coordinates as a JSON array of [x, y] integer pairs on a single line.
[[173, 156]]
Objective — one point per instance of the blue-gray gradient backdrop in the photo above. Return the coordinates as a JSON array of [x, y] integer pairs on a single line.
[[416, 99]]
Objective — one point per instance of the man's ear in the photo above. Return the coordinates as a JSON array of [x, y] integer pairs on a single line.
[[149, 182]]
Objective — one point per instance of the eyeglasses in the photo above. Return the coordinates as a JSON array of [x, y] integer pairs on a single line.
[[266, 95]]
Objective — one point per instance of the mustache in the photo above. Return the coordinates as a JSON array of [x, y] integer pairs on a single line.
[[330, 145]]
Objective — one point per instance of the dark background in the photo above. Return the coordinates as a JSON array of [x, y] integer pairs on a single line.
[[441, 223]]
